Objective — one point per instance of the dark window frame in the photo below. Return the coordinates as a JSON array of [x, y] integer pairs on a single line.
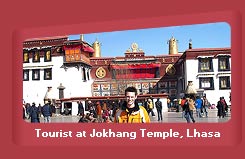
[[88, 75], [45, 74], [26, 61], [84, 74], [210, 64], [227, 60], [25, 72], [38, 56], [228, 82], [38, 74], [45, 56], [211, 79]]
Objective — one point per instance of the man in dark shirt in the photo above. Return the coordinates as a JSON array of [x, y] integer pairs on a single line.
[[47, 112], [158, 105]]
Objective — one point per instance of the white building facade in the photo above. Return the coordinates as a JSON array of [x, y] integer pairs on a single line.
[[44, 67], [210, 72]]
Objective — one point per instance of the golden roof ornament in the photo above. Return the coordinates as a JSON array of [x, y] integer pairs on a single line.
[[173, 47], [134, 47], [81, 37], [128, 50], [97, 50], [170, 69]]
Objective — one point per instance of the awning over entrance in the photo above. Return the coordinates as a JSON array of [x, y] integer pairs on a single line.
[[136, 66]]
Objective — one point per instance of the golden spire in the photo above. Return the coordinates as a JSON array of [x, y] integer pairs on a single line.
[[97, 50], [173, 47], [81, 37]]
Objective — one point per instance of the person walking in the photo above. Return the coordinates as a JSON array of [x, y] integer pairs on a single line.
[[183, 101], [158, 105], [99, 112], [150, 107], [189, 106], [225, 106], [47, 112], [34, 114], [131, 112], [221, 108], [169, 103], [198, 103], [80, 109], [28, 109], [206, 105]]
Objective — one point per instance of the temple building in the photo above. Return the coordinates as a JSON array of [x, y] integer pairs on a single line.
[[113, 74], [71, 69]]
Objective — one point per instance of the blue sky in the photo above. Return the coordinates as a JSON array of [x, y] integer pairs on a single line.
[[153, 41]]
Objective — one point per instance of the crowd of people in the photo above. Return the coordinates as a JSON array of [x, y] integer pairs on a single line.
[[97, 111], [34, 112], [201, 106], [129, 110]]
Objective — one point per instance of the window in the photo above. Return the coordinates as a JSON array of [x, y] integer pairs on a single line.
[[88, 75], [25, 75], [72, 54], [162, 84], [36, 57], [84, 74], [205, 65], [224, 63], [26, 57], [47, 56], [224, 82], [48, 74], [36, 74], [206, 83], [172, 92], [173, 84]]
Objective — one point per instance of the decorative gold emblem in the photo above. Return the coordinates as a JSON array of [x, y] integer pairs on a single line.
[[170, 70], [134, 47], [100, 72]]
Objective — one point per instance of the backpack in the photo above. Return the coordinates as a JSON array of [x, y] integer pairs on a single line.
[[185, 105], [183, 101]]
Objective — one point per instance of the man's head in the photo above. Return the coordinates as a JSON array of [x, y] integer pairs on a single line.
[[131, 95]]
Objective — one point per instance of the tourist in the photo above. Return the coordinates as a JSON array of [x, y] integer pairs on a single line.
[[131, 112]]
